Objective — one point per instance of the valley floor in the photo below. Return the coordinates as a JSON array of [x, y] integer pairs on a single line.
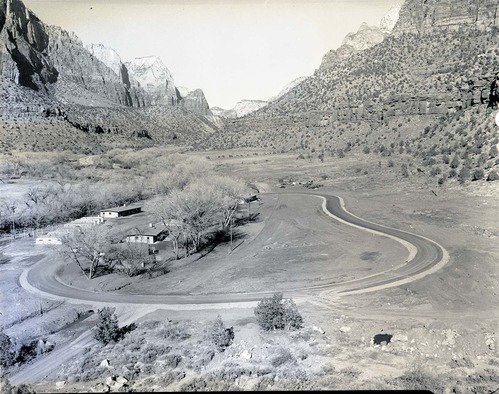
[[444, 326]]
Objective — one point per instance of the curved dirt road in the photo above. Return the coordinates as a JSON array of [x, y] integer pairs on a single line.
[[425, 257]]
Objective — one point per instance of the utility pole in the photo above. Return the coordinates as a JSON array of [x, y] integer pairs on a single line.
[[13, 209], [231, 225]]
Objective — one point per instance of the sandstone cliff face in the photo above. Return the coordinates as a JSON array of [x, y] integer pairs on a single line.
[[47, 58], [78, 65], [155, 78], [420, 16], [23, 48], [389, 21], [438, 71], [195, 101], [111, 59], [365, 38]]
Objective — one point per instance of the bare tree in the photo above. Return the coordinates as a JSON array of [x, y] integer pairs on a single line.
[[87, 247], [133, 258], [164, 210], [228, 193], [191, 212]]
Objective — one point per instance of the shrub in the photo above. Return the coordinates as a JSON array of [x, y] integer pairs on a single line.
[[7, 388], [419, 380], [282, 357], [222, 337], [173, 332], [107, 327], [27, 352], [435, 171], [464, 174], [455, 162], [478, 174], [6, 355], [277, 314], [405, 172], [493, 176], [172, 360]]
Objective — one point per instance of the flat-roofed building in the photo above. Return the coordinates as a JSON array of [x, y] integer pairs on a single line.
[[117, 212]]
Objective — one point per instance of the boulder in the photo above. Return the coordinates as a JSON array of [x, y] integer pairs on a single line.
[[318, 329], [100, 388], [246, 355], [450, 337], [121, 380], [490, 341], [104, 364], [60, 384], [345, 329]]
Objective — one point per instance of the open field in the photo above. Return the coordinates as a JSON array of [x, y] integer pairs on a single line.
[[446, 321], [292, 245]]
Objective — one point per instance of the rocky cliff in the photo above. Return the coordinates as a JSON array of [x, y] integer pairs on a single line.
[[79, 66], [24, 46], [420, 16], [365, 38], [388, 22], [425, 76], [156, 79], [49, 59], [286, 89], [59, 94], [195, 101]]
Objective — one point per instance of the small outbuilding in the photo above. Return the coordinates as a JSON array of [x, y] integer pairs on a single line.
[[85, 222], [119, 212]]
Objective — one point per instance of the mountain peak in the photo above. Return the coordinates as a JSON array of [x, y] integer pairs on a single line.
[[155, 78], [106, 55], [195, 101]]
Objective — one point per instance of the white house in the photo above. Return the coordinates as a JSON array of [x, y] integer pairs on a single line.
[[149, 235]]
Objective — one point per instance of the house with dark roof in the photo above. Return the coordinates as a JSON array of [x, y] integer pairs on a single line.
[[117, 212], [149, 235]]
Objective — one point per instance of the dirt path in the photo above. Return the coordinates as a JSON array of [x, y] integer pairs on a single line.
[[39, 369]]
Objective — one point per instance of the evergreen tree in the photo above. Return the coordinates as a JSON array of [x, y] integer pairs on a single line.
[[221, 336], [276, 314], [107, 327], [6, 355]]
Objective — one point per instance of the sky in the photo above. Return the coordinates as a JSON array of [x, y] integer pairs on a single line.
[[233, 50]]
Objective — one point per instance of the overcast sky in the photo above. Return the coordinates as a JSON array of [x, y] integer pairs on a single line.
[[233, 50]]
